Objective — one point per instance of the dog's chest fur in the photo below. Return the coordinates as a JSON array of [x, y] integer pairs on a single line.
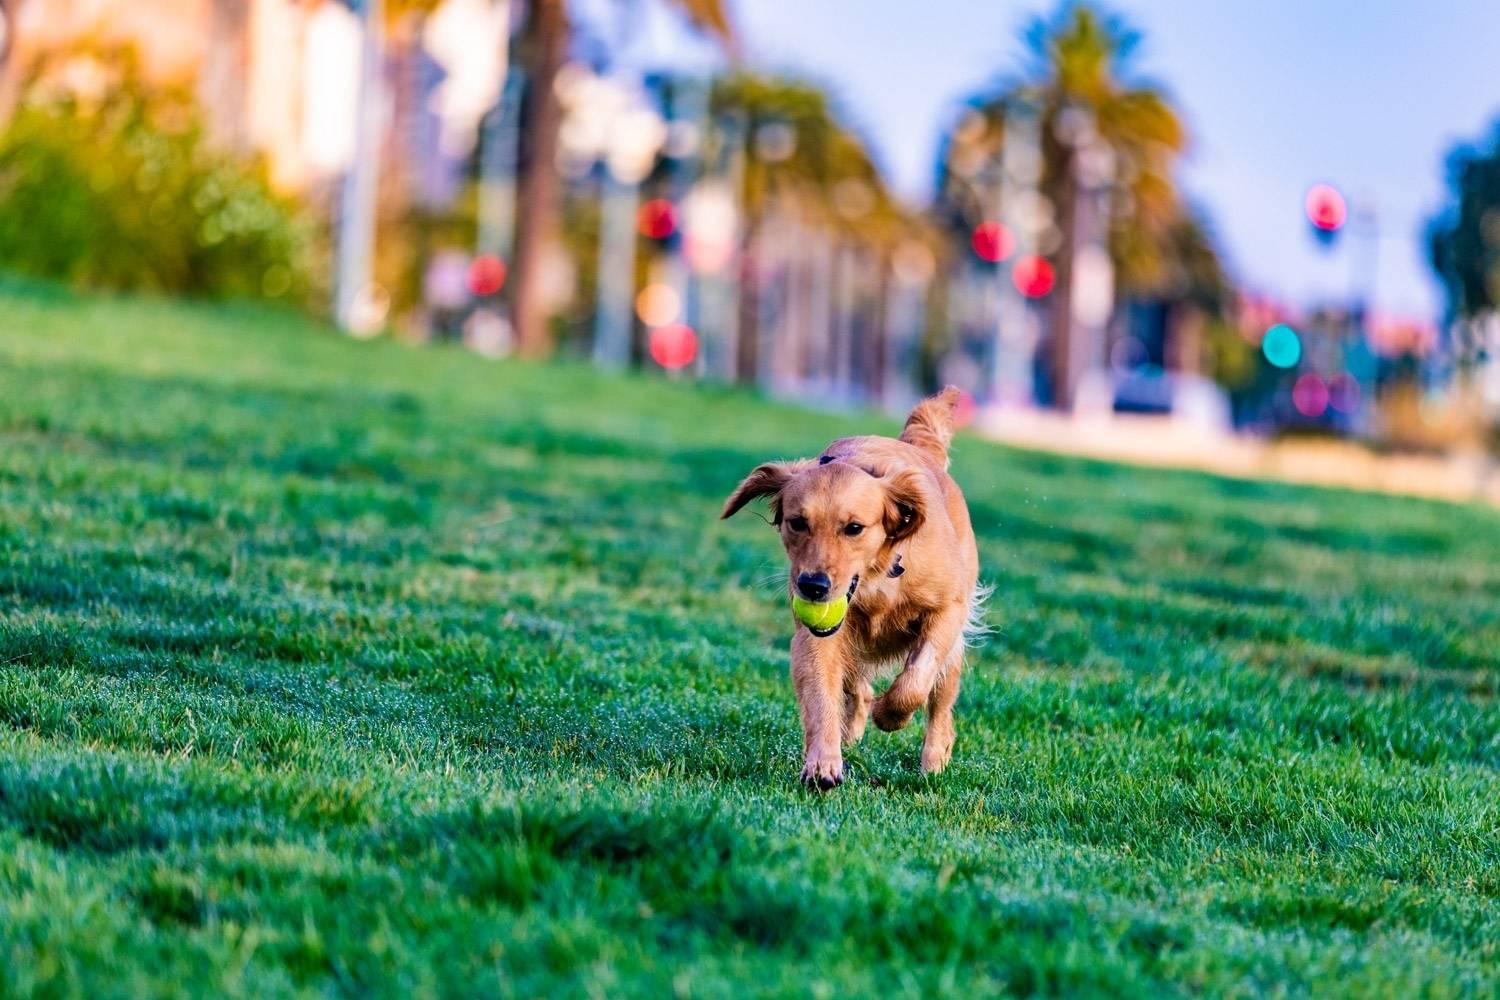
[[886, 622]]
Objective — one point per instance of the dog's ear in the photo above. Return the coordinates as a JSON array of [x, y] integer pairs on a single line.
[[905, 503], [767, 480]]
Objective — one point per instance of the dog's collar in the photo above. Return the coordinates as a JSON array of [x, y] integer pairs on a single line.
[[896, 568]]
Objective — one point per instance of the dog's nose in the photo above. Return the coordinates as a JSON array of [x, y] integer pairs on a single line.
[[814, 586]]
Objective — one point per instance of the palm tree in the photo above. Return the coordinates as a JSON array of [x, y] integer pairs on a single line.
[[543, 51], [1084, 60], [1463, 240], [1081, 71]]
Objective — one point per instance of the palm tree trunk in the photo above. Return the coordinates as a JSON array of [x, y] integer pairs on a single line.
[[1065, 348], [878, 352], [10, 63], [226, 64], [1070, 354], [539, 208], [747, 349]]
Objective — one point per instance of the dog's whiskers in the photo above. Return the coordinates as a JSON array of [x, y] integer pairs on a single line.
[[771, 581]]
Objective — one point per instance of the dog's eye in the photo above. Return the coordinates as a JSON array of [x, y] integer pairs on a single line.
[[853, 528], [797, 523]]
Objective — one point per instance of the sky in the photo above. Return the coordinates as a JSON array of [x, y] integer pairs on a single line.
[[1278, 95]]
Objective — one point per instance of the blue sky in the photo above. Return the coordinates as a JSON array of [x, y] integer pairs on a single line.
[[1366, 94]]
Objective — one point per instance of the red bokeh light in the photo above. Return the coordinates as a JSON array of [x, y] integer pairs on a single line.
[[992, 241], [1310, 395], [1033, 276], [657, 219], [486, 275], [965, 409], [1326, 208], [673, 346]]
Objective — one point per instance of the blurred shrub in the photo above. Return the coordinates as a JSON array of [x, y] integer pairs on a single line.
[[114, 187], [1233, 361]]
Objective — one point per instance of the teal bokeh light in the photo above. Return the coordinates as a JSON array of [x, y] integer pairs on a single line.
[[1282, 346]]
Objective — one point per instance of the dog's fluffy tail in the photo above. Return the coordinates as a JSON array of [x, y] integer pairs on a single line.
[[976, 629], [930, 426]]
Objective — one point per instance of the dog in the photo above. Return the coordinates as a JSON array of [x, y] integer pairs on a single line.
[[880, 520]]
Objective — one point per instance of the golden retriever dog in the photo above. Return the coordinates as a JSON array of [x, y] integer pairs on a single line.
[[879, 520]]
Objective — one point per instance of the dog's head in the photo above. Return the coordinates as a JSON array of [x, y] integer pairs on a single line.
[[837, 520]]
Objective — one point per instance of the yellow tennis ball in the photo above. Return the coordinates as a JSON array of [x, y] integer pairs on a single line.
[[821, 618]]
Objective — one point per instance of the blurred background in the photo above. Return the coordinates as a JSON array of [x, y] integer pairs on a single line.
[[1258, 238]]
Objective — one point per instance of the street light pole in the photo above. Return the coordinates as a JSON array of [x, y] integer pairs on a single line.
[[499, 140], [633, 136], [1020, 170], [686, 102], [356, 225], [612, 316], [1364, 271], [1085, 280]]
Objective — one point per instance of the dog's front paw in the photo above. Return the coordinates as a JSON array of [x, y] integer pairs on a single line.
[[822, 772], [889, 715]]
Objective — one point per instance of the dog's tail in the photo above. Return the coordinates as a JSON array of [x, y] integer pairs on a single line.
[[930, 426]]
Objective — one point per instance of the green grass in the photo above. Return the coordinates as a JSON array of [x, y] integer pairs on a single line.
[[352, 668]]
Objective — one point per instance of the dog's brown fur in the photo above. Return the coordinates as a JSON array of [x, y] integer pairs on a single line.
[[900, 492]]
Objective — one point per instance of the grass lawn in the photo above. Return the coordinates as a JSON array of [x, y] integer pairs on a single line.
[[330, 667]]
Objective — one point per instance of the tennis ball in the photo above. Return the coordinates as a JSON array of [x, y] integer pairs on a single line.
[[820, 617]]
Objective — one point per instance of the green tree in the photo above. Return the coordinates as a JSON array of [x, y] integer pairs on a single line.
[[1464, 240]]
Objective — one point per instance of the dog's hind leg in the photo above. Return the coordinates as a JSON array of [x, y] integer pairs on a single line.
[[925, 664], [857, 698], [937, 742]]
